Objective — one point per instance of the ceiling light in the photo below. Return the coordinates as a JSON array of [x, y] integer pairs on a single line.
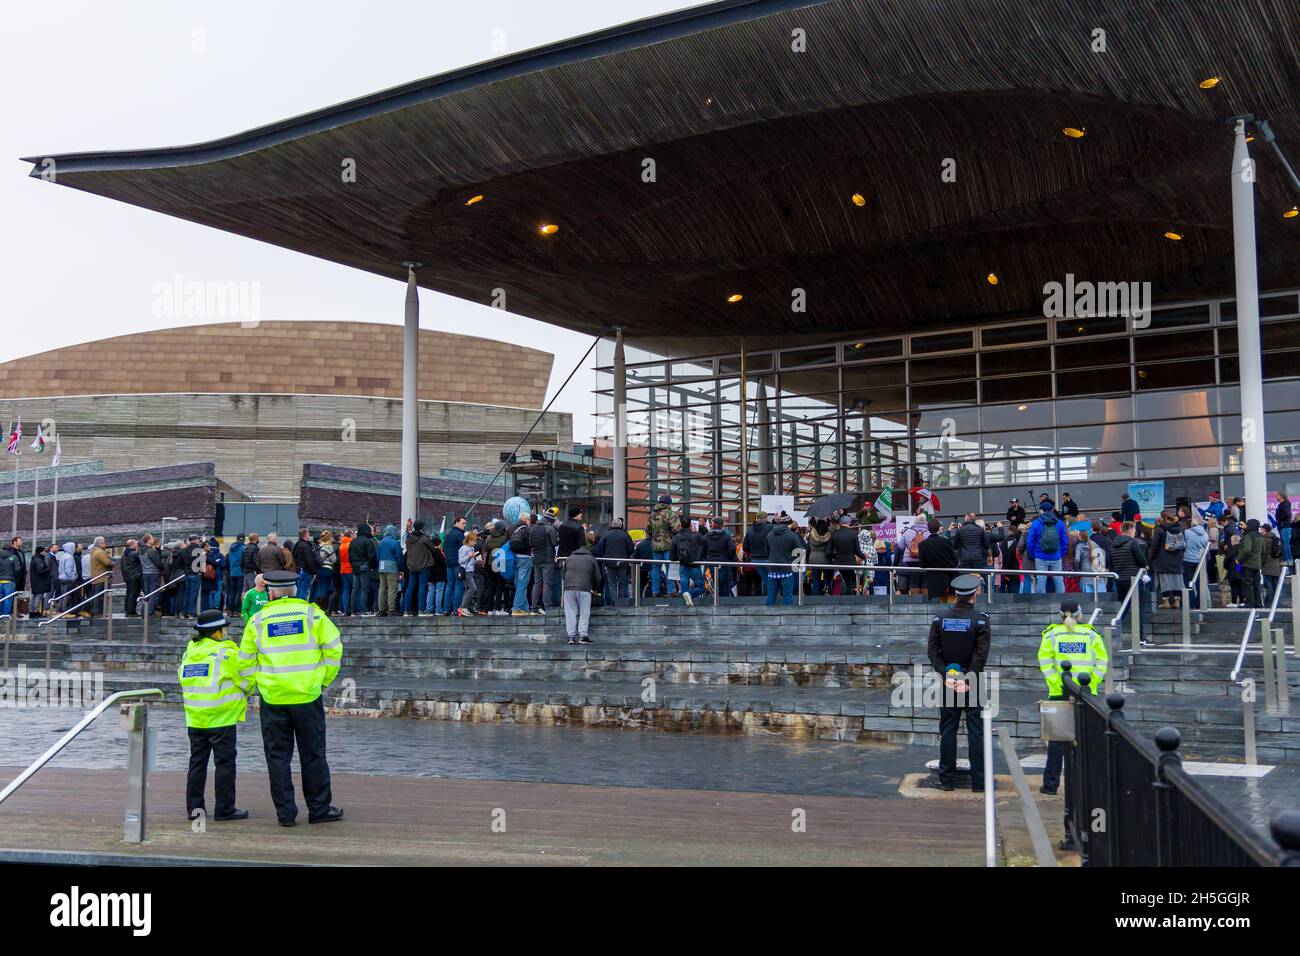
[[859, 345], [1250, 139], [859, 199], [1174, 236], [473, 199], [1074, 132], [1142, 373], [1291, 213], [1021, 408], [1080, 330], [992, 278], [735, 297], [1209, 83], [549, 229]]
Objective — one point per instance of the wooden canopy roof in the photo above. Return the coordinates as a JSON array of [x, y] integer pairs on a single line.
[[758, 149]]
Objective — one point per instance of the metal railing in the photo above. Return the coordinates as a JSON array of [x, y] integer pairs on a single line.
[[11, 622], [58, 598], [868, 570], [106, 595], [144, 600], [1155, 813], [136, 721]]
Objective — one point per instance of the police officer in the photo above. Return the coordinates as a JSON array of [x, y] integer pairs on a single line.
[[216, 701], [958, 647], [292, 650], [1085, 649]]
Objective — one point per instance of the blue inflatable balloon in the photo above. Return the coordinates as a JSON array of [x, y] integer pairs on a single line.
[[514, 507]]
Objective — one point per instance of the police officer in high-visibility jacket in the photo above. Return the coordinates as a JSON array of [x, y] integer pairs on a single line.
[[1085, 649], [292, 650], [216, 701]]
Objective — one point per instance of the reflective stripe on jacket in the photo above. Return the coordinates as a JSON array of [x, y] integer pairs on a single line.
[[215, 694], [292, 650], [1083, 647]]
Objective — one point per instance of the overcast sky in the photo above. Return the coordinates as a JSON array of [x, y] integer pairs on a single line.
[[147, 73]]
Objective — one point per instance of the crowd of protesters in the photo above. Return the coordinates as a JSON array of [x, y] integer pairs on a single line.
[[542, 564]]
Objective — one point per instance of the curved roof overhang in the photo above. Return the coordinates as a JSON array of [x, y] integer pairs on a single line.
[[757, 149]]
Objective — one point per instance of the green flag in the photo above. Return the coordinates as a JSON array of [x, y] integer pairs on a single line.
[[885, 503]]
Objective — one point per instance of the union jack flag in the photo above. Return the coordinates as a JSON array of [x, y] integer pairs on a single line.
[[15, 437]]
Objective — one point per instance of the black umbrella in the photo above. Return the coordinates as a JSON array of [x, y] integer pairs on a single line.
[[847, 502]]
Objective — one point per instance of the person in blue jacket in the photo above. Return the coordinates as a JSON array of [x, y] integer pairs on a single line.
[[1048, 539]]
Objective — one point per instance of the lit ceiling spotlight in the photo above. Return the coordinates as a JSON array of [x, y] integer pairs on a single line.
[[859, 345], [1291, 213], [734, 297], [1075, 132], [1142, 373], [473, 199], [992, 278], [708, 101], [1022, 408], [1250, 139], [858, 199], [1174, 236], [549, 229], [1080, 330], [1209, 83]]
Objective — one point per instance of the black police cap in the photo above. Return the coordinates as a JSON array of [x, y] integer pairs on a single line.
[[209, 621]]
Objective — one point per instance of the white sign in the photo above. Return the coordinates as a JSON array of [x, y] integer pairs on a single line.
[[775, 504]]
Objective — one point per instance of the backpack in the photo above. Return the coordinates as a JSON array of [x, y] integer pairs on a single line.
[[519, 540], [1274, 546], [1049, 538], [1174, 541], [914, 547], [503, 563], [683, 553]]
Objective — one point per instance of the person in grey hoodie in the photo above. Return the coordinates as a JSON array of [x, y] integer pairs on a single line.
[[581, 578], [67, 573]]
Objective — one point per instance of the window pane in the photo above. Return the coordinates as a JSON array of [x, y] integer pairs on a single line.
[[1275, 306], [1093, 354], [1084, 411], [944, 342], [953, 366], [872, 348], [1184, 404], [1158, 348], [1021, 389], [1092, 382], [1031, 415], [1174, 374], [1015, 361], [1014, 334], [1098, 325], [949, 393], [1279, 335], [1182, 315]]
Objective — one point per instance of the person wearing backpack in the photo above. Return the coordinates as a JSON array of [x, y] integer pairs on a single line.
[[1046, 544], [687, 550], [522, 546], [1167, 548], [1088, 556], [327, 566]]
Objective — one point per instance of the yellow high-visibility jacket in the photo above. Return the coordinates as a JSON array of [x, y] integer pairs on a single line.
[[214, 691], [291, 650], [1083, 647]]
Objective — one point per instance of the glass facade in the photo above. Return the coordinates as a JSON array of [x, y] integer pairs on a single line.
[[979, 415]]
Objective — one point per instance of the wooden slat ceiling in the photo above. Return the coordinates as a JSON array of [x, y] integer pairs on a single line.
[[758, 150]]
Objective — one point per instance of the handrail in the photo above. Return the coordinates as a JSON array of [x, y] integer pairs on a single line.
[[89, 600], [145, 597], [1250, 622], [709, 562], [1245, 636], [60, 597], [67, 738], [1128, 598]]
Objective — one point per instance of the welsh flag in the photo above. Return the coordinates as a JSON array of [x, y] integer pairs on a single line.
[[38, 445], [927, 500], [15, 436]]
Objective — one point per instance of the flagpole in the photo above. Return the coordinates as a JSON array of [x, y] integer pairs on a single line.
[[14, 533], [36, 504], [54, 528]]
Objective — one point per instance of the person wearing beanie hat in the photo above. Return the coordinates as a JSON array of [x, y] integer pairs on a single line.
[[959, 638], [215, 695], [1250, 557], [1080, 644]]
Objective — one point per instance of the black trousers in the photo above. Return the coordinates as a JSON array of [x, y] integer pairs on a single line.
[[949, 721], [220, 743], [282, 725], [132, 595]]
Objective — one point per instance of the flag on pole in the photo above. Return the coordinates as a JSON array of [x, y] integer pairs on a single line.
[[58, 450], [15, 437], [38, 445], [885, 503]]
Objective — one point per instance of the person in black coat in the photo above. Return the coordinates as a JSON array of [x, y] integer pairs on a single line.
[[1016, 513], [720, 546], [41, 574], [937, 551], [845, 552], [133, 575], [615, 542], [572, 535]]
